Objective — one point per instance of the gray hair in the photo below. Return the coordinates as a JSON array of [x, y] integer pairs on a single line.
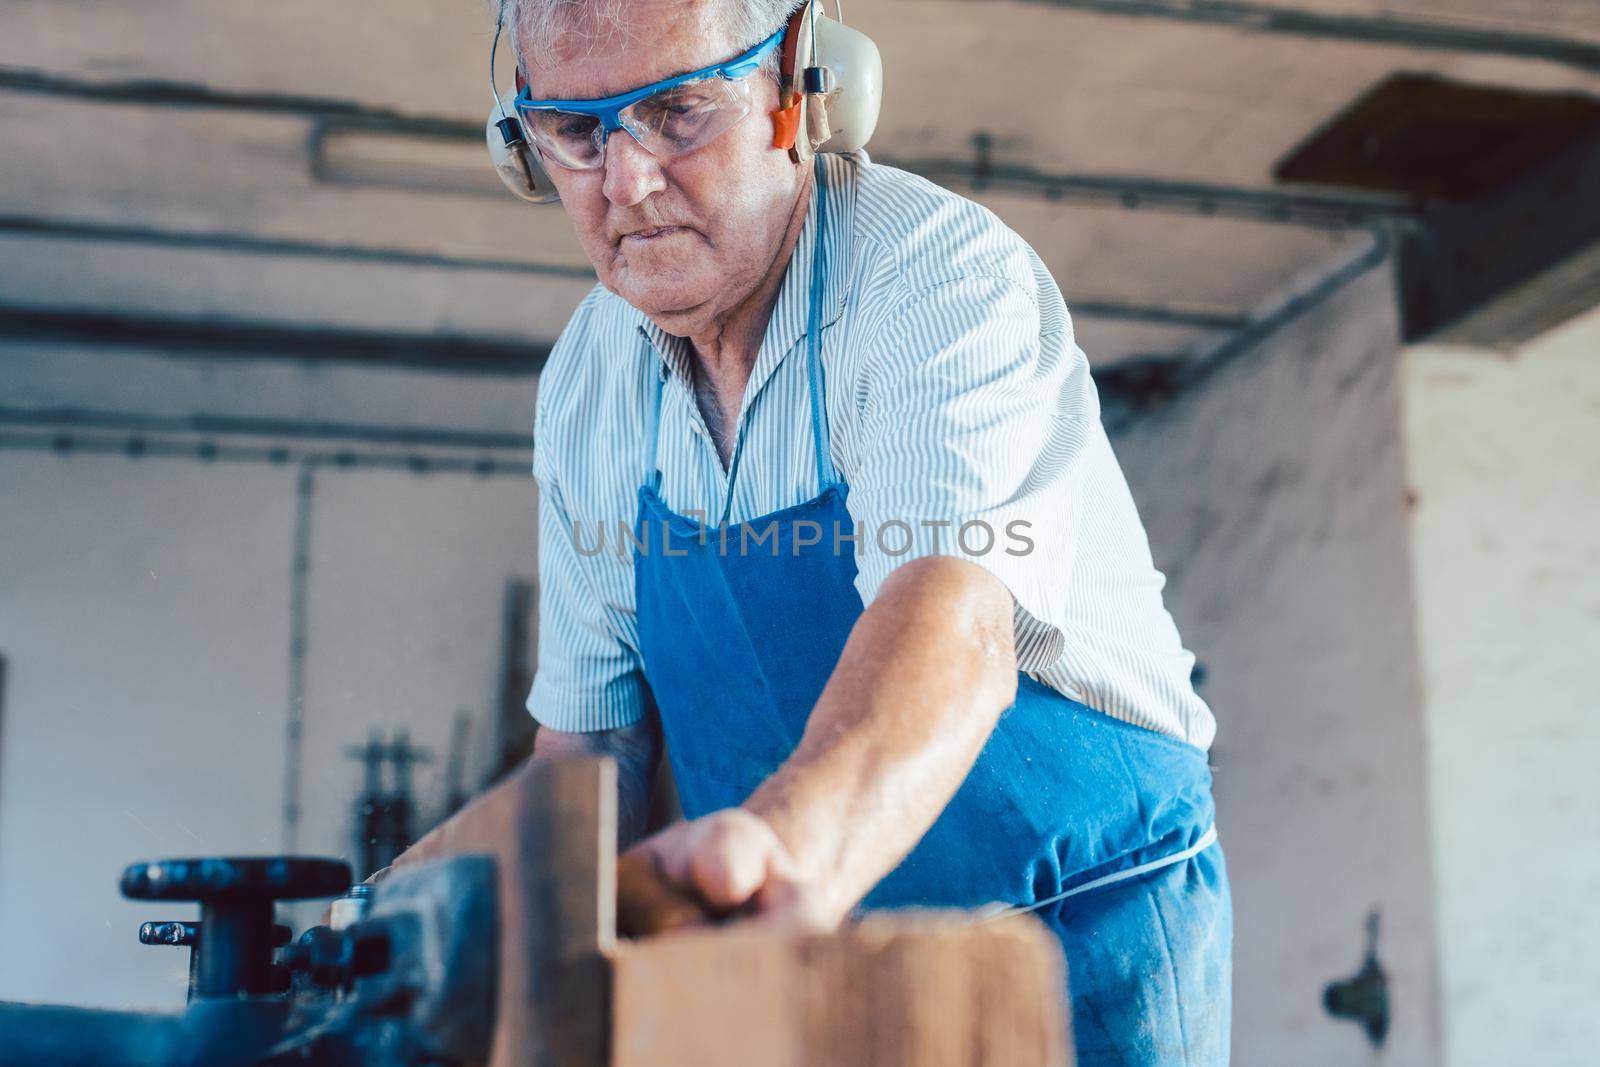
[[543, 25]]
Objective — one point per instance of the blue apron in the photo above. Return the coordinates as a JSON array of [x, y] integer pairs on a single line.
[[1102, 828]]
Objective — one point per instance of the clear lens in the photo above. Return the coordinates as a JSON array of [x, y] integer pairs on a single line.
[[676, 121], [570, 140]]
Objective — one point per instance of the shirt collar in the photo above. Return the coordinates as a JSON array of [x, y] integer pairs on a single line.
[[793, 306]]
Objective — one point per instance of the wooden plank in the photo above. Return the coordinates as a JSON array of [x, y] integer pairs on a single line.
[[929, 990], [309, 292], [720, 998], [1156, 110], [205, 171], [552, 829], [293, 47], [1566, 18]]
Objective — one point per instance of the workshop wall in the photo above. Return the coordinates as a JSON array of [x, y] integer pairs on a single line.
[[148, 620], [1273, 494], [143, 620], [1504, 461]]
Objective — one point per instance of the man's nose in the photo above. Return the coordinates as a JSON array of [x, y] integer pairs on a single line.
[[631, 173]]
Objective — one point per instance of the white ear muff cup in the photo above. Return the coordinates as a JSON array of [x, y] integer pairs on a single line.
[[858, 84], [517, 164]]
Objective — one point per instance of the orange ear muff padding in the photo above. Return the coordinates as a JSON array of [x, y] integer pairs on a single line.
[[786, 125]]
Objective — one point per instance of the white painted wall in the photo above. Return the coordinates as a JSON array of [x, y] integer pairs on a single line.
[[143, 619], [1504, 458], [408, 576], [144, 615], [1273, 495]]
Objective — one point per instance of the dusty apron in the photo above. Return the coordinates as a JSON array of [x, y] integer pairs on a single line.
[[1104, 829]]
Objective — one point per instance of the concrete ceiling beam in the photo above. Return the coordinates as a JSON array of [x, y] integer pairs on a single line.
[[1427, 34]]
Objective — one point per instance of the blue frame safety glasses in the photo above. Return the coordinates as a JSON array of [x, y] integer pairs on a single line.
[[668, 118]]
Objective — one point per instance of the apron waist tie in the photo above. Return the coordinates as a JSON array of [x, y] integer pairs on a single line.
[[1207, 839]]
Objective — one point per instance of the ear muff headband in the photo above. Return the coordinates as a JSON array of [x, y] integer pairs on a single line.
[[786, 120]]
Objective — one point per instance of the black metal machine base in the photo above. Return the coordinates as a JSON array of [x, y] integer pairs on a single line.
[[410, 983]]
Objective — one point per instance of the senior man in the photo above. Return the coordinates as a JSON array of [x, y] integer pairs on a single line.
[[884, 592]]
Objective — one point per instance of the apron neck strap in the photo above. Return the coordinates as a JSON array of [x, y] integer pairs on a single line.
[[827, 477], [652, 425]]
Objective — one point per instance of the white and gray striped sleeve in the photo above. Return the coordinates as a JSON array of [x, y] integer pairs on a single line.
[[589, 676], [975, 421]]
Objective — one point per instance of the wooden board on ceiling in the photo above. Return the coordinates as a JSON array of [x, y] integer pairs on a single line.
[[161, 178], [417, 57], [1431, 138], [222, 286], [251, 174], [1067, 90], [217, 172], [1059, 88], [1211, 264], [1575, 19]]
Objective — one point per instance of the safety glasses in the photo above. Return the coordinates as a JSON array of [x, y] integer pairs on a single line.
[[668, 118]]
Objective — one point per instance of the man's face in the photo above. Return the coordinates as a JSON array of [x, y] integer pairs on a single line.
[[683, 240]]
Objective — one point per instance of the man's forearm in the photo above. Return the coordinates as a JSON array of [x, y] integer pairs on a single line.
[[637, 751], [923, 678]]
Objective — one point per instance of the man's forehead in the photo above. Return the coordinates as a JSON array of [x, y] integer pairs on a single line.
[[601, 49]]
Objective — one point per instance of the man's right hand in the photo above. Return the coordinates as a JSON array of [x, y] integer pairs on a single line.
[[728, 863]]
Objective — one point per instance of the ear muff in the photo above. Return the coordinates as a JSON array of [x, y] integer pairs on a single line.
[[856, 95], [514, 158], [831, 99]]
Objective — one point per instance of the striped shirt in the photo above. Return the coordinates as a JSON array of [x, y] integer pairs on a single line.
[[962, 417]]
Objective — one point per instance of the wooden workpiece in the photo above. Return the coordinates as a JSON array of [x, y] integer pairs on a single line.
[[552, 831], [901, 989]]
